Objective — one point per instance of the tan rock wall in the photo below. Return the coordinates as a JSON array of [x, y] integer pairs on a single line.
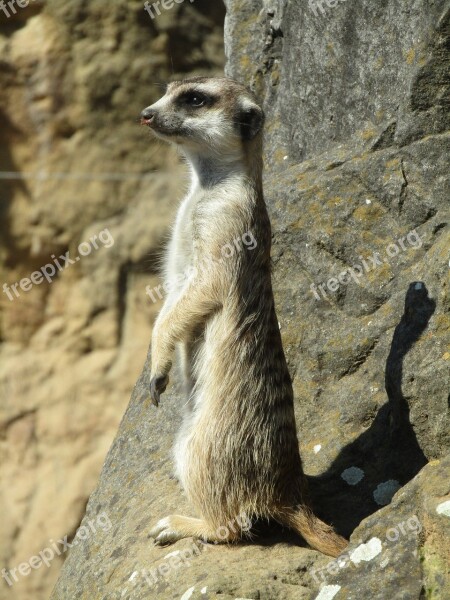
[[74, 162]]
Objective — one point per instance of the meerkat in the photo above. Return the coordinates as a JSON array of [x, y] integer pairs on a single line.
[[237, 451]]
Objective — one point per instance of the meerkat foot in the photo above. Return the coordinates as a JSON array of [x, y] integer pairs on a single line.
[[176, 527]]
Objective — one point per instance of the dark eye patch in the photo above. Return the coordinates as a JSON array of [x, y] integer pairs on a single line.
[[194, 99]]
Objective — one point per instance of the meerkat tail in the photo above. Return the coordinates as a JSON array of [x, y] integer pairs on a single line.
[[318, 534]]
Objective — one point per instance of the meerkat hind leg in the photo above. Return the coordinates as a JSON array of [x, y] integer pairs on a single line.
[[176, 527]]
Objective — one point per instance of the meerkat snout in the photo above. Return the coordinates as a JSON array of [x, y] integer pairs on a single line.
[[147, 115], [213, 114]]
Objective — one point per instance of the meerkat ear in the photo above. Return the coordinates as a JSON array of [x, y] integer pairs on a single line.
[[250, 121]]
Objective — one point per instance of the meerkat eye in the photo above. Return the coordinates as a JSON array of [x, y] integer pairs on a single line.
[[194, 99]]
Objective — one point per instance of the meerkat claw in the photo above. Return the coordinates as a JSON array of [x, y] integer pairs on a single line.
[[157, 387], [163, 534], [165, 538]]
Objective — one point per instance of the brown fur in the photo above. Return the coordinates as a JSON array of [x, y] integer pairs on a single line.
[[237, 452]]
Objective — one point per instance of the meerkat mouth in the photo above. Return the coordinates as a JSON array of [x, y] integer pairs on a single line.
[[150, 123], [159, 131]]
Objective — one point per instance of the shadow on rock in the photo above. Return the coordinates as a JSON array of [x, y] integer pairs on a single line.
[[388, 452]]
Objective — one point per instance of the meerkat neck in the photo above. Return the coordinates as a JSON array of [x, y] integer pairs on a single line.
[[209, 170]]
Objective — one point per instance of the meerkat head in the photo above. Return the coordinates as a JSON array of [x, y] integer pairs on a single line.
[[206, 115]]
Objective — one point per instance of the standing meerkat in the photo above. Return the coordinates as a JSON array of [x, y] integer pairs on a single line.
[[237, 452]]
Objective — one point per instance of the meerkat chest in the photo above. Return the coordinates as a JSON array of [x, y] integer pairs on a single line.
[[180, 256]]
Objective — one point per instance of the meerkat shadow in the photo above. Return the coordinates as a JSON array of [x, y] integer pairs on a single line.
[[388, 453]]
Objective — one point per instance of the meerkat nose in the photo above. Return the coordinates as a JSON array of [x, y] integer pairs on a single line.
[[147, 116]]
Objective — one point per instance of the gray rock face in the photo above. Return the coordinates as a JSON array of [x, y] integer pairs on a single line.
[[329, 73], [357, 185]]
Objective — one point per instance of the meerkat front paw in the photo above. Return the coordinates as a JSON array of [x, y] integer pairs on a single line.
[[158, 385], [165, 532]]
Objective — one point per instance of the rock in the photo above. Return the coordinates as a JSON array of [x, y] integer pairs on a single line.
[[357, 186], [401, 551], [405, 544], [371, 72]]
